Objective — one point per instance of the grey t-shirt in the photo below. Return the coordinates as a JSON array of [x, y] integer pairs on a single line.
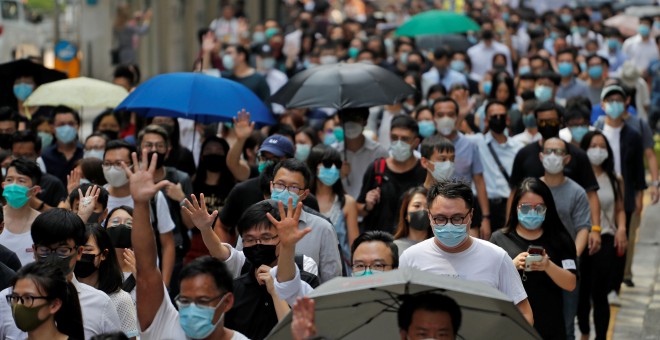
[[572, 206]]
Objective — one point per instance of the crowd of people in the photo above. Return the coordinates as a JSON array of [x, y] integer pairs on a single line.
[[520, 162]]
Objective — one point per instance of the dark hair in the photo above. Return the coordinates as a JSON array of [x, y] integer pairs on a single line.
[[200, 175], [97, 120], [9, 114], [603, 60], [403, 229], [378, 236], [451, 190], [405, 122], [549, 105], [492, 102], [172, 132], [27, 136], [553, 77], [295, 165], [435, 143], [323, 153], [65, 110], [244, 51], [130, 72], [110, 336], [608, 163], [58, 225], [281, 129], [100, 135], [445, 99], [120, 144], [207, 265], [111, 278], [432, 302], [54, 285], [154, 129], [92, 170], [254, 217], [347, 113], [568, 50], [436, 88], [310, 133], [503, 78], [27, 168], [103, 195], [125, 208], [577, 109]]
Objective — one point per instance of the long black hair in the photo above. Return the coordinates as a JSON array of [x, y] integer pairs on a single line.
[[503, 78], [125, 208], [225, 174], [51, 281], [608, 163], [111, 278], [322, 154]]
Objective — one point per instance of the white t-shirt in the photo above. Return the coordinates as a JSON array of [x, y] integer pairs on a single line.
[[165, 223], [166, 324], [21, 244], [481, 262], [613, 136]]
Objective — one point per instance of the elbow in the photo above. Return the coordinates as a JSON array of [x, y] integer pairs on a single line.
[[571, 284]]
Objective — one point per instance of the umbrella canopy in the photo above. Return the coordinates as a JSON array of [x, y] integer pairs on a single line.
[[341, 86], [204, 99], [437, 22], [626, 24], [78, 93], [23, 67], [366, 307]]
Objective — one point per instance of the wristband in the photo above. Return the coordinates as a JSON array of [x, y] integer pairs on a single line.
[[485, 216], [596, 228]]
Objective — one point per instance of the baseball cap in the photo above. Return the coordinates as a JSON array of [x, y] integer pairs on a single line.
[[278, 145], [611, 90]]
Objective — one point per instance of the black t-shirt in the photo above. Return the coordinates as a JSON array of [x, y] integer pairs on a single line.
[[385, 214], [214, 195], [9, 258], [528, 164], [52, 190], [182, 159], [544, 295]]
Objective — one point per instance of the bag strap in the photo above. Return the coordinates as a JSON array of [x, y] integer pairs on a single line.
[[379, 170], [129, 284], [497, 160]]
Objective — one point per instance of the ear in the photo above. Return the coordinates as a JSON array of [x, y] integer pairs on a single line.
[[34, 191], [55, 305], [304, 195], [79, 254], [425, 163], [104, 254], [416, 143], [103, 215], [567, 159], [229, 302]]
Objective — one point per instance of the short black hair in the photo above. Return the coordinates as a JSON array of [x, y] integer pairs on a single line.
[[207, 265], [27, 167], [347, 113], [61, 109], [27, 136], [492, 102], [436, 143], [436, 88], [445, 99], [131, 72], [432, 302], [294, 165], [378, 236], [442, 52], [567, 50], [283, 130], [554, 77], [103, 194], [451, 190], [405, 122], [603, 60], [549, 105], [109, 112], [255, 216], [58, 225], [120, 144], [244, 51], [9, 114]]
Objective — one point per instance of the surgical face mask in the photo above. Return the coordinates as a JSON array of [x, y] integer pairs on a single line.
[[553, 164], [445, 125], [457, 65], [352, 130], [329, 139], [531, 221], [15, 195], [613, 44], [85, 267], [566, 18], [443, 170], [302, 151], [644, 30], [565, 69], [488, 86], [583, 30], [578, 132], [450, 235], [529, 121], [283, 196], [65, 133], [419, 220], [115, 177], [228, 62], [597, 155], [595, 72], [197, 321], [46, 139], [160, 159], [426, 128], [328, 176], [524, 70], [353, 52], [401, 151], [260, 254], [120, 236], [268, 64], [27, 318], [497, 123], [94, 153], [543, 93], [263, 165], [403, 58], [258, 37], [328, 60], [614, 110], [22, 91]]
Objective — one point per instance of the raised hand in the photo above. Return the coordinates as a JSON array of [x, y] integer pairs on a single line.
[[175, 192], [129, 259], [287, 227], [242, 126], [302, 322], [73, 180], [208, 42], [141, 180], [199, 216], [87, 203]]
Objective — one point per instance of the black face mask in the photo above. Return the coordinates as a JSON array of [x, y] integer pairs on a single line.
[[85, 266], [56, 261], [94, 218], [112, 135], [260, 254], [497, 123], [487, 35], [120, 235], [160, 161], [215, 163], [419, 220], [5, 141], [548, 131]]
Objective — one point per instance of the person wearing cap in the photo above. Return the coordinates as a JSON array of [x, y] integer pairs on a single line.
[[441, 73]]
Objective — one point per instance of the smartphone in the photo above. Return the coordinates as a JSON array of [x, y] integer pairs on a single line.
[[535, 250]]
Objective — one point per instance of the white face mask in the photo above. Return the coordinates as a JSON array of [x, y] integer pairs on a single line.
[[328, 60], [442, 170], [553, 164], [445, 125], [115, 177], [597, 155], [352, 130], [93, 153], [401, 151]]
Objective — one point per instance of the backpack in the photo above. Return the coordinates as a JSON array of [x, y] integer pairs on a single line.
[[379, 171]]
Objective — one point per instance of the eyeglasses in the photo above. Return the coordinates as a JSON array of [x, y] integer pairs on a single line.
[[150, 146], [455, 220], [558, 152], [526, 208], [548, 122], [328, 163], [183, 302], [359, 269], [61, 251], [266, 239], [25, 300], [290, 188]]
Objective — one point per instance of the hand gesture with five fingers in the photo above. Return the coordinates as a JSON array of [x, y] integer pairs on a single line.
[[302, 322], [242, 125], [141, 178], [198, 214], [87, 203], [287, 226]]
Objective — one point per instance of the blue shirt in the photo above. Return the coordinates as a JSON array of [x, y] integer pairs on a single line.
[[467, 162], [574, 88], [654, 73], [497, 185], [449, 78]]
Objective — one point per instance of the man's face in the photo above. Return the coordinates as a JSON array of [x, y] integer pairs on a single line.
[[557, 147], [550, 117], [537, 65], [7, 127], [154, 142], [373, 254], [525, 85], [496, 111], [61, 251], [448, 208], [404, 135], [95, 143], [123, 82], [62, 119], [116, 156], [25, 150], [429, 325], [441, 63], [545, 82], [444, 109], [259, 235], [293, 180], [565, 58], [13, 177], [202, 290]]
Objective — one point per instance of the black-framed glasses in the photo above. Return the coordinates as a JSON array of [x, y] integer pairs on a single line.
[[25, 300], [548, 122], [266, 239], [526, 208], [441, 220], [327, 163], [183, 302], [296, 190], [61, 251], [360, 269]]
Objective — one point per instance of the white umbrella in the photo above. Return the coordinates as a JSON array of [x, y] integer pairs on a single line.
[[78, 93]]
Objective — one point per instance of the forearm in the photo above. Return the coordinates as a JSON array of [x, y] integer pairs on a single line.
[[281, 307], [561, 277], [594, 207], [286, 266], [187, 220], [581, 240], [362, 209], [652, 162], [240, 170], [168, 256], [142, 239], [214, 244], [526, 310]]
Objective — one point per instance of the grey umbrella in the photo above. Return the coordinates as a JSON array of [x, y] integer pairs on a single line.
[[343, 86], [366, 307]]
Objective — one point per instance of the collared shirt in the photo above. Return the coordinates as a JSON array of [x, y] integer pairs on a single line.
[[482, 58], [640, 52], [449, 78], [578, 41], [99, 314], [496, 184], [525, 137], [574, 88], [57, 164], [467, 161], [359, 160]]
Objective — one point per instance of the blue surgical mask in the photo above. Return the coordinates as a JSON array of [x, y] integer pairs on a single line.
[[65, 133], [197, 321], [302, 151], [328, 176], [566, 18], [565, 69], [401, 151], [283, 196], [258, 37], [543, 93], [595, 72], [329, 139], [403, 58], [578, 132], [524, 70], [339, 133], [426, 128], [46, 139], [531, 220], [228, 62], [353, 52], [583, 30], [644, 30], [93, 153], [15, 195], [457, 65], [614, 110], [450, 235], [529, 121], [487, 87], [613, 44], [23, 90]]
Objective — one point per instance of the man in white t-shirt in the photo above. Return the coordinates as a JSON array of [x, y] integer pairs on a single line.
[[206, 284], [453, 252], [117, 153]]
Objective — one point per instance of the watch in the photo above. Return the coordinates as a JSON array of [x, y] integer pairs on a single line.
[[655, 183]]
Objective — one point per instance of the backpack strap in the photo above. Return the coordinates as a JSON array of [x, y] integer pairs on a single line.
[[379, 171], [129, 284]]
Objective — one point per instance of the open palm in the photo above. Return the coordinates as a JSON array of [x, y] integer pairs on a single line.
[[141, 180], [287, 227], [242, 126], [199, 216]]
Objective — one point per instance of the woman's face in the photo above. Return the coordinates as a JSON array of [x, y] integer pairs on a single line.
[[424, 114], [27, 287], [95, 143], [417, 203], [531, 198], [120, 216], [302, 138], [213, 148], [598, 141], [502, 93], [109, 123], [91, 247]]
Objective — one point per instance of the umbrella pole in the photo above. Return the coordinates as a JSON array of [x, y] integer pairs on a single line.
[[343, 126]]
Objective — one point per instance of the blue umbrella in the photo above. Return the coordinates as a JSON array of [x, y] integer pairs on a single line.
[[195, 96]]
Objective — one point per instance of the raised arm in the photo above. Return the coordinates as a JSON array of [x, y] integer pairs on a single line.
[[289, 235], [243, 129], [196, 210]]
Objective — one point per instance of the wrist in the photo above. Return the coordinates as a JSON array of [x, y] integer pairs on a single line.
[[485, 216], [596, 229], [655, 183]]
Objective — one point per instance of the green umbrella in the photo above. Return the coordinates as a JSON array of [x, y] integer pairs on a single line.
[[437, 22]]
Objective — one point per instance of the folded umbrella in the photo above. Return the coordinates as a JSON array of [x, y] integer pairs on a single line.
[[78, 93]]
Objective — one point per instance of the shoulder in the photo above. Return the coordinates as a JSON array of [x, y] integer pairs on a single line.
[[497, 237], [349, 200], [315, 221], [418, 248]]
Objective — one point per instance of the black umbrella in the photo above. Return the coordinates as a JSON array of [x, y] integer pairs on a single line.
[[454, 42], [343, 86], [23, 67]]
